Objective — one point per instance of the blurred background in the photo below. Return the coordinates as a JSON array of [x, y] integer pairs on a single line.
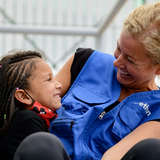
[[58, 27]]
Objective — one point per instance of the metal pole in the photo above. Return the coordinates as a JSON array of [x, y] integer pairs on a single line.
[[107, 22], [72, 31], [110, 17]]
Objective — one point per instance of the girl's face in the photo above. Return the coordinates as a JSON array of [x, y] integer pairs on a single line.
[[43, 87], [134, 68]]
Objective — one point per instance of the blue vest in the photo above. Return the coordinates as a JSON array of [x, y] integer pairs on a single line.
[[83, 126]]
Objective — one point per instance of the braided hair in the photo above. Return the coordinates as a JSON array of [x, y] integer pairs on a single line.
[[15, 69]]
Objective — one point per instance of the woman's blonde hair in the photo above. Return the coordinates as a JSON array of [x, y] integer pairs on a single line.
[[144, 24]]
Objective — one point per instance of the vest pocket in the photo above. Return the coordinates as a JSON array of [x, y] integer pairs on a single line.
[[81, 100], [128, 118], [90, 96], [62, 128]]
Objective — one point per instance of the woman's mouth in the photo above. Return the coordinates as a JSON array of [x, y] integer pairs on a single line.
[[124, 74]]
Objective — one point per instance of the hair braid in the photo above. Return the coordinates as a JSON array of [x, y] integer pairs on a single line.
[[15, 69]]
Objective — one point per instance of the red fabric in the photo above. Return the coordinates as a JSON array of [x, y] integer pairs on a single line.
[[44, 112]]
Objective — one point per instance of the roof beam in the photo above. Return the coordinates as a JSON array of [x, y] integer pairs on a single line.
[[74, 31], [111, 16], [65, 31]]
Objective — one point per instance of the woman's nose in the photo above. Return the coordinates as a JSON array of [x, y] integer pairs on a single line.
[[119, 61]]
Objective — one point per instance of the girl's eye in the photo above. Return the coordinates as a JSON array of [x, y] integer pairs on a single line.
[[49, 79]]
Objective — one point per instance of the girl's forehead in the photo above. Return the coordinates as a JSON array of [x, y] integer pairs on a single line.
[[39, 62], [41, 67]]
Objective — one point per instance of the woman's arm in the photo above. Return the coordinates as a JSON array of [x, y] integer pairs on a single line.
[[147, 130], [64, 75]]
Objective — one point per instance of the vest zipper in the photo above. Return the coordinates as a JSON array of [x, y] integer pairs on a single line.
[[107, 109], [102, 115]]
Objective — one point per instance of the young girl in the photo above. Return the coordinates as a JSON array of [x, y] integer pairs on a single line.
[[29, 97]]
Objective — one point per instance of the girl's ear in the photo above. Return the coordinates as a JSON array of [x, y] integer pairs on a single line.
[[21, 96]]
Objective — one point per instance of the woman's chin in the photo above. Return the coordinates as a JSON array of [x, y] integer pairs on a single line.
[[124, 81]]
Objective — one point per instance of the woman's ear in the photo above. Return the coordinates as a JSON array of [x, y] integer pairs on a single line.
[[22, 96]]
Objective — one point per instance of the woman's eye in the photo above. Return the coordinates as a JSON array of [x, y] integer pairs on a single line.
[[130, 60]]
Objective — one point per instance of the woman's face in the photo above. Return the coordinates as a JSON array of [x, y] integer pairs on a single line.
[[134, 68], [43, 87]]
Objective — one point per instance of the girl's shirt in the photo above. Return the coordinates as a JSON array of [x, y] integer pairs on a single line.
[[23, 123]]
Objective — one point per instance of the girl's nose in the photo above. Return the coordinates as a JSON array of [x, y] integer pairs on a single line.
[[58, 85]]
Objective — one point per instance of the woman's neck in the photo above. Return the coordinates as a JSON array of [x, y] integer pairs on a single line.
[[125, 92]]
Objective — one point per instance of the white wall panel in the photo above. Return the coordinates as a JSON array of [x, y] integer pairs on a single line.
[[63, 13]]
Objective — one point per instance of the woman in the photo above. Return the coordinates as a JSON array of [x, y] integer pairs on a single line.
[[111, 103]]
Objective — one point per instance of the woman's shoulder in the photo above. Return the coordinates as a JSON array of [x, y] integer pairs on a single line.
[[84, 51], [80, 58], [82, 54]]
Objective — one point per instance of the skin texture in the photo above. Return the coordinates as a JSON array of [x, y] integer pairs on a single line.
[[43, 87]]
